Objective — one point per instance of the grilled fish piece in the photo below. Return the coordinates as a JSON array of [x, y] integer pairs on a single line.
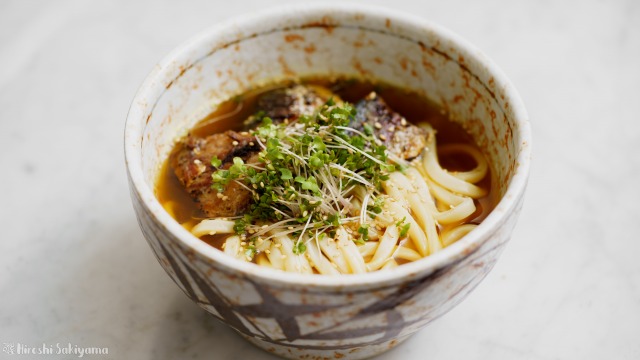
[[402, 138], [292, 102], [192, 165]]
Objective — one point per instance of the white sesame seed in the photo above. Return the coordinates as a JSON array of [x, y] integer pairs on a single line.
[[200, 166], [243, 243], [377, 125], [251, 143], [403, 122], [234, 143], [382, 137]]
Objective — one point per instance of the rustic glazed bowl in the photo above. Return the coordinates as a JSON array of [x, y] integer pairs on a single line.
[[314, 316]]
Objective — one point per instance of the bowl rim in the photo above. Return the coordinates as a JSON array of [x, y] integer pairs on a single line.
[[152, 87]]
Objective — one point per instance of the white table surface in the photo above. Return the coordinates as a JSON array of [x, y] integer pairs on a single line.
[[75, 269]]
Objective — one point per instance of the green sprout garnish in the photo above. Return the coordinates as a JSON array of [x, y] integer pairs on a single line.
[[299, 248], [307, 174], [215, 162], [363, 230], [403, 226]]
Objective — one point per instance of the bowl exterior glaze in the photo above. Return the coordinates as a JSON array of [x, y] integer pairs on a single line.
[[317, 317]]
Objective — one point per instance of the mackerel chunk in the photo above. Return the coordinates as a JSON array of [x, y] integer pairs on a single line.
[[402, 138], [192, 165], [292, 102]]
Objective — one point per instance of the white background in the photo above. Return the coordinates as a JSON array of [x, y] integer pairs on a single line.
[[75, 268]]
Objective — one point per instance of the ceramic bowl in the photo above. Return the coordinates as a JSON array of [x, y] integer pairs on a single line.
[[315, 316]]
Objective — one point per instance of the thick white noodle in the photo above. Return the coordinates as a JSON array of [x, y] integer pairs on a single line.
[[262, 245], [374, 234], [368, 248], [350, 252], [416, 234], [458, 213], [404, 253], [459, 207], [442, 177], [384, 252], [452, 235], [330, 250], [474, 175], [396, 193], [263, 260], [212, 227], [420, 210], [275, 257], [390, 264], [292, 262], [422, 189], [232, 248], [319, 261]]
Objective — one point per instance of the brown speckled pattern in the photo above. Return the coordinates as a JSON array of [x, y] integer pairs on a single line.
[[341, 318]]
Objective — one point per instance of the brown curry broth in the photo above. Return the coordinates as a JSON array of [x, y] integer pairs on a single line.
[[413, 107]]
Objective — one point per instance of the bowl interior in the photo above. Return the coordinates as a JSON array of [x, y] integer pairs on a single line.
[[232, 58]]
